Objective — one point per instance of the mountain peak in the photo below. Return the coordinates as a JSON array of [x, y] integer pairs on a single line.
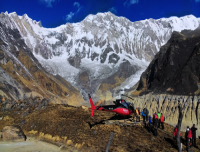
[[92, 17], [13, 13], [39, 23], [106, 16], [25, 16]]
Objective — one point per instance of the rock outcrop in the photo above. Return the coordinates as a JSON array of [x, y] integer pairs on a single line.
[[175, 69], [13, 133]]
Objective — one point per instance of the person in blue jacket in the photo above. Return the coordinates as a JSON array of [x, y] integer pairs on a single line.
[[144, 116], [150, 123]]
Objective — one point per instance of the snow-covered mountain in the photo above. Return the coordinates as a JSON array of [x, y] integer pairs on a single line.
[[22, 76], [102, 52]]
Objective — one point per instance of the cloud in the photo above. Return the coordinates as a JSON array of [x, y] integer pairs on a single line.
[[69, 16], [48, 2], [79, 9], [77, 4], [197, 1], [113, 10], [130, 2], [72, 14]]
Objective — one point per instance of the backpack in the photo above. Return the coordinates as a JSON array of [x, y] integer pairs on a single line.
[[156, 116]]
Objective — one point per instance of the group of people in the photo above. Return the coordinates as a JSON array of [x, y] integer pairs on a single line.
[[158, 120], [190, 136]]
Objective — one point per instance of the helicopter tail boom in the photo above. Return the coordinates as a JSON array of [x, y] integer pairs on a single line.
[[93, 107]]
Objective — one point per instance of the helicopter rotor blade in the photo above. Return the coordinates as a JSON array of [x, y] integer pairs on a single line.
[[127, 96]]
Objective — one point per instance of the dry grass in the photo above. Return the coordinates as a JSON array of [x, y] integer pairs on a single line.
[[70, 126]]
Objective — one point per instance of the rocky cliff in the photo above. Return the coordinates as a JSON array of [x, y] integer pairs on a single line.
[[175, 69], [21, 75]]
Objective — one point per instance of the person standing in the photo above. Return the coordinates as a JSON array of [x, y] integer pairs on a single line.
[[162, 119], [137, 115], [144, 116], [154, 118], [159, 115], [156, 126], [139, 110], [150, 123], [193, 129], [188, 136], [147, 114], [175, 135], [175, 132]]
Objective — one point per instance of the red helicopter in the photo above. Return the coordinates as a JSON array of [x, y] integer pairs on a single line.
[[121, 107]]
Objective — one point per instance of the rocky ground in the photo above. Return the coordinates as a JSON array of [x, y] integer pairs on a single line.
[[73, 128]]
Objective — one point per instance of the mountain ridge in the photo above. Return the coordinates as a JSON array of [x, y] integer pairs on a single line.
[[104, 40], [110, 19]]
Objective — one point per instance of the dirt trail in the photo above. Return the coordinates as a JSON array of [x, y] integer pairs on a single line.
[[31, 145]]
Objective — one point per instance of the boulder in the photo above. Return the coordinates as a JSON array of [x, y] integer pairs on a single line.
[[13, 133], [84, 107], [69, 142]]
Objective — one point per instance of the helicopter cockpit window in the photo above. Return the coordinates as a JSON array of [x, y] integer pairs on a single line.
[[124, 104], [128, 103]]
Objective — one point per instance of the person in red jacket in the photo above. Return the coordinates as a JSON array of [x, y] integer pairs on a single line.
[[175, 135], [155, 124], [188, 137], [162, 119], [175, 132]]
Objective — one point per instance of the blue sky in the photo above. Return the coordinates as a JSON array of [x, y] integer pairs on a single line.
[[53, 13]]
